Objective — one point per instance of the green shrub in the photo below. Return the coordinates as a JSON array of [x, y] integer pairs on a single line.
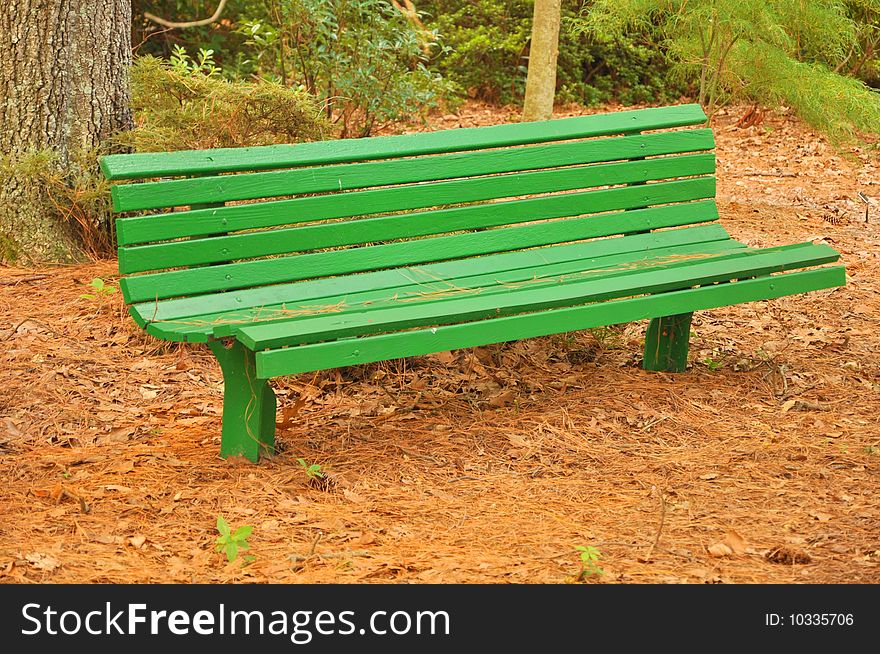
[[487, 55], [364, 59], [774, 52], [73, 192], [179, 104], [185, 104]]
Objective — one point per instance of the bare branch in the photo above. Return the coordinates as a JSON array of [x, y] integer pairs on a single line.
[[195, 23]]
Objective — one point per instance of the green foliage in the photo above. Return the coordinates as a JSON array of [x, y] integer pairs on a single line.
[[364, 59], [313, 471], [590, 557], [488, 45], [73, 192], [231, 543], [769, 51], [185, 104], [99, 289], [713, 364]]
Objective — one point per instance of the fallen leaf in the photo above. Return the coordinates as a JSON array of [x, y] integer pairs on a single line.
[[137, 541], [735, 542], [709, 476], [501, 399], [719, 550], [821, 516], [445, 358], [42, 561], [351, 496]]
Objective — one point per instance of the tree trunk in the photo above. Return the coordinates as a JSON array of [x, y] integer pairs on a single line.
[[63, 90], [541, 80]]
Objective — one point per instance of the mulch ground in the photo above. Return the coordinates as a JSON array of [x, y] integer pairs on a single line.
[[759, 464]]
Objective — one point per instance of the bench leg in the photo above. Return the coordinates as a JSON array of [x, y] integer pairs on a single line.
[[248, 404], [666, 344]]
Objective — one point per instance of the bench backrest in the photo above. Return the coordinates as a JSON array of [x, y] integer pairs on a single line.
[[268, 215]]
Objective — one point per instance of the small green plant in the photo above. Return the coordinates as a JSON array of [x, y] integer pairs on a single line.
[[589, 562], [870, 449], [231, 543], [99, 289], [712, 364], [313, 471], [607, 337]]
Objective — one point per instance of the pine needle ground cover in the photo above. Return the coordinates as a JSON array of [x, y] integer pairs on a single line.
[[497, 464]]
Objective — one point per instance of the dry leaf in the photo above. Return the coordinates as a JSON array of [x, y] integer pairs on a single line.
[[446, 358], [735, 542], [137, 541], [351, 496], [42, 561], [719, 550], [501, 399]]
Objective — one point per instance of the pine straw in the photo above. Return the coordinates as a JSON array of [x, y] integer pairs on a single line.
[[484, 465]]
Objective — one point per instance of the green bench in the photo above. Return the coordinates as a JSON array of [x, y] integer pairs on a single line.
[[294, 258]]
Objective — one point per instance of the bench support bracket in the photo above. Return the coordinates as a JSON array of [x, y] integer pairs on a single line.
[[666, 343], [248, 404]]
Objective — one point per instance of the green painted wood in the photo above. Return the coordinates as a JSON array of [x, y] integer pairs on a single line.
[[166, 226], [248, 404], [430, 289], [387, 228], [192, 162], [225, 188], [323, 356], [158, 286], [528, 298], [319, 290], [667, 343]]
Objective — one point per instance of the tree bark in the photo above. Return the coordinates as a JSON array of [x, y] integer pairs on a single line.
[[541, 79], [64, 90]]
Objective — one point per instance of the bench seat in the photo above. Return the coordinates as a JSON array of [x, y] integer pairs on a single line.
[[383, 248]]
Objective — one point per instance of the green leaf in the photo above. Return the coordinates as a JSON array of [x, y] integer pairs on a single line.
[[88, 296], [223, 526], [231, 551], [97, 283], [242, 532]]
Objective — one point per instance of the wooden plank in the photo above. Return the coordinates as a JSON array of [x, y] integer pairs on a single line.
[[319, 289], [158, 286], [388, 228], [323, 356], [167, 226], [226, 188], [538, 296], [423, 288], [193, 162]]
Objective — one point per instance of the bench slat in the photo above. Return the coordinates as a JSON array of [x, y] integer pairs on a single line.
[[312, 290], [324, 356], [191, 162], [425, 223], [209, 279], [225, 324], [226, 188], [540, 296], [203, 222]]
